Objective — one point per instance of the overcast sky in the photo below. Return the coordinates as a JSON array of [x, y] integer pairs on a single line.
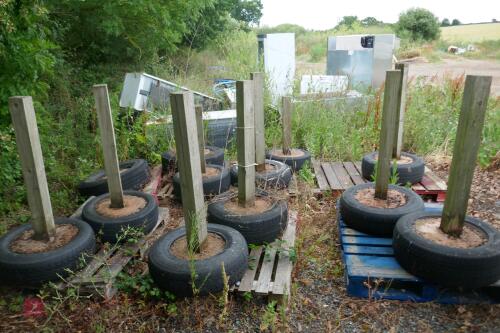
[[324, 14]]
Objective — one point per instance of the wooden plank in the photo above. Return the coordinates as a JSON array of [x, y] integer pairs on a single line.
[[331, 177], [353, 173], [201, 136], [357, 164], [320, 176], [108, 142], [30, 153], [188, 160], [266, 270], [152, 186], [342, 175], [283, 276], [245, 140], [438, 181], [356, 240], [246, 283], [418, 187], [368, 250], [400, 116], [258, 104], [286, 123], [376, 267], [469, 130], [346, 231], [387, 131], [429, 184]]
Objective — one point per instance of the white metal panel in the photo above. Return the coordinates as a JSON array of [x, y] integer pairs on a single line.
[[279, 63], [323, 83]]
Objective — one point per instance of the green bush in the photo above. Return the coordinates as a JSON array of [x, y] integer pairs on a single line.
[[418, 24]]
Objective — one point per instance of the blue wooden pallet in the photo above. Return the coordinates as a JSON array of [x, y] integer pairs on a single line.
[[371, 271]]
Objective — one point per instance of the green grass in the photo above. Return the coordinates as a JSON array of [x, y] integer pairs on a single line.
[[471, 32]]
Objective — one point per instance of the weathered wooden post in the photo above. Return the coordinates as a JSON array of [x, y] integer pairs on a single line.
[[400, 115], [30, 153], [258, 104], [245, 139], [286, 123], [390, 109], [201, 136], [111, 163], [469, 130], [188, 157]]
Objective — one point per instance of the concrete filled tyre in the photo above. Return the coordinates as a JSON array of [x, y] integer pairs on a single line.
[[257, 227], [134, 176], [34, 269], [212, 185], [140, 212], [375, 220], [213, 155], [175, 274], [445, 265], [295, 160], [409, 172], [277, 175]]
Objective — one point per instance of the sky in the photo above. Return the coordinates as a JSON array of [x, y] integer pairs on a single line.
[[325, 14]]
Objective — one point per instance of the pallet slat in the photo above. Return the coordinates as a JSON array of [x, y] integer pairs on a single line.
[[330, 176], [353, 173], [266, 271], [342, 175], [284, 268], [320, 176], [246, 283], [368, 250]]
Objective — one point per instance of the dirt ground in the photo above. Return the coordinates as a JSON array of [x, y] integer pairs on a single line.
[[453, 67], [318, 303]]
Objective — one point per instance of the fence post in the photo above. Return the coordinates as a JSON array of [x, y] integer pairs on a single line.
[[201, 136], [111, 163], [245, 140], [390, 108], [30, 153], [286, 123], [188, 159], [258, 105], [469, 130], [400, 115]]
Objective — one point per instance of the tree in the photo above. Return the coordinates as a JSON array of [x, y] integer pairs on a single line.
[[370, 21], [347, 21], [418, 24], [248, 11], [445, 23], [455, 22]]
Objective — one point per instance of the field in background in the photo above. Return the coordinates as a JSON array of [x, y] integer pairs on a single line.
[[471, 32]]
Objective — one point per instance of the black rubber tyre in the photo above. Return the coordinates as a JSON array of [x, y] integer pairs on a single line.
[[278, 178], [110, 229], [407, 173], [32, 270], [294, 162], [174, 274], [374, 220], [134, 178], [447, 266], [214, 156], [211, 185], [258, 228]]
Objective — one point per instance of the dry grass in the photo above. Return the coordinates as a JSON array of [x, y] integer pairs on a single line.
[[471, 32]]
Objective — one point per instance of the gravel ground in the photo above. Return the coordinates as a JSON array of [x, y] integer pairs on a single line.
[[318, 303]]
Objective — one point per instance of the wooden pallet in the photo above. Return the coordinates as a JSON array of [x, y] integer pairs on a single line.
[[339, 176], [371, 271], [270, 268], [99, 276]]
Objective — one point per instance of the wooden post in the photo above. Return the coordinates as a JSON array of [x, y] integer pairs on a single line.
[[201, 136], [400, 115], [188, 159], [245, 140], [470, 127], [286, 123], [30, 153], [258, 105], [390, 108], [111, 163]]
